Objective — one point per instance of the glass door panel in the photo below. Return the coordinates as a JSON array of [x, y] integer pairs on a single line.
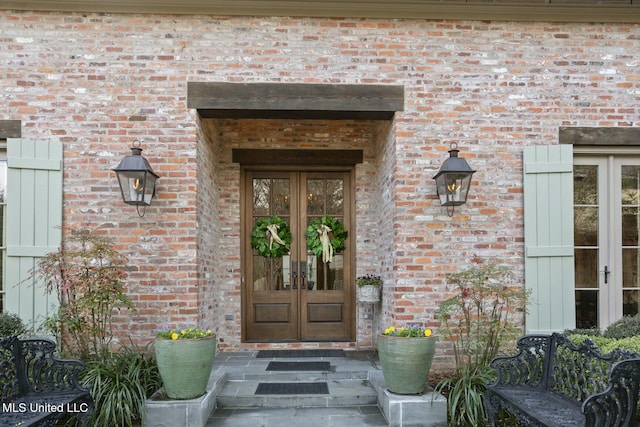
[[630, 223], [606, 243], [587, 252]]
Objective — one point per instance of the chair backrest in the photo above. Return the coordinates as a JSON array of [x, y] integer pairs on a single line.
[[579, 371]]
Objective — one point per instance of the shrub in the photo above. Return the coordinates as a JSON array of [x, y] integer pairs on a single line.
[[480, 320], [120, 382], [480, 317], [607, 345], [87, 275], [591, 332], [626, 327], [11, 325]]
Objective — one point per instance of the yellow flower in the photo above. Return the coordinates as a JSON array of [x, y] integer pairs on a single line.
[[389, 330], [174, 336], [427, 332], [401, 330], [183, 332]]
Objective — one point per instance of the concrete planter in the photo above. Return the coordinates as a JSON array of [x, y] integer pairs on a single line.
[[185, 365], [369, 293], [406, 362]]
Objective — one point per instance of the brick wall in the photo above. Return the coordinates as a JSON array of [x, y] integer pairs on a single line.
[[98, 82]]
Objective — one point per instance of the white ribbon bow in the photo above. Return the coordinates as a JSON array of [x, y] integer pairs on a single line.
[[327, 249], [272, 230]]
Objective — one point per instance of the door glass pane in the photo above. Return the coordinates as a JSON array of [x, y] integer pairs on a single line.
[[315, 197], [630, 302], [271, 197], [586, 251], [586, 309], [270, 274], [630, 198], [325, 196], [586, 268], [325, 277], [335, 197]]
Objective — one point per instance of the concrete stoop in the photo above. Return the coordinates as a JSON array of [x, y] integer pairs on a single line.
[[163, 412], [355, 386], [428, 409]]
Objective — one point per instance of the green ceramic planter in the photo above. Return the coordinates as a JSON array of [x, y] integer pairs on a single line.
[[406, 362], [185, 365]]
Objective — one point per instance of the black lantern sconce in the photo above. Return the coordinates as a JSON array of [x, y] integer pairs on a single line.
[[453, 181], [137, 180]]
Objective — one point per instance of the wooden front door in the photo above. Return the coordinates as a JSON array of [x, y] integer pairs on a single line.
[[297, 297]]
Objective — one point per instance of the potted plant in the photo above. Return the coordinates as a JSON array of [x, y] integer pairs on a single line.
[[185, 359], [369, 288], [406, 354]]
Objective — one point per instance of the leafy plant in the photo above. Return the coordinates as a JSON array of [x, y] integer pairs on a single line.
[[465, 391], [87, 274], [408, 332], [183, 334], [480, 318], [11, 325], [368, 280], [626, 327], [120, 382]]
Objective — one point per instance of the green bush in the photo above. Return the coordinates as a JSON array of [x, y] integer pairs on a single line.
[[120, 382], [11, 325], [607, 345], [592, 332], [626, 327]]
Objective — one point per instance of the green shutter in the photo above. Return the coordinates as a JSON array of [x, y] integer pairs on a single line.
[[34, 220], [548, 237]]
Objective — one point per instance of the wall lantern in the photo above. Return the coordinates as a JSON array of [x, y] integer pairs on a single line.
[[137, 180], [453, 181]]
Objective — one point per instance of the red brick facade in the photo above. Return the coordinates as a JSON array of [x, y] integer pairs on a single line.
[[98, 82]]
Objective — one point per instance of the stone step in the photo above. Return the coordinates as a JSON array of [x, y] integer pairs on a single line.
[[347, 416], [342, 393]]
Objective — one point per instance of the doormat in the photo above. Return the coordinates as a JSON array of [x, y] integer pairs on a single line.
[[298, 366], [292, 388], [274, 354]]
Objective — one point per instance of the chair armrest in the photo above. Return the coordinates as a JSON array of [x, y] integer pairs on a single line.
[[616, 405], [47, 373], [527, 367]]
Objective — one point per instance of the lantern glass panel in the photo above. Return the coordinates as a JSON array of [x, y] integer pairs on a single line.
[[453, 188], [137, 187]]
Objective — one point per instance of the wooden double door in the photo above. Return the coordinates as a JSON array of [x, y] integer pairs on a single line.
[[297, 297]]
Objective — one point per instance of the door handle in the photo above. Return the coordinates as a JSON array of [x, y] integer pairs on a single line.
[[606, 272], [294, 274], [303, 274]]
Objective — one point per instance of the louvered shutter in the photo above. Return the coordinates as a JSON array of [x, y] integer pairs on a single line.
[[34, 218], [548, 234]]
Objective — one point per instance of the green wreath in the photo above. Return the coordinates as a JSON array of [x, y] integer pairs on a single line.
[[337, 236], [267, 244]]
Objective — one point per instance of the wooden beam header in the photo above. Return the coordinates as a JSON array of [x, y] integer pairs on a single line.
[[259, 157], [600, 136], [296, 101]]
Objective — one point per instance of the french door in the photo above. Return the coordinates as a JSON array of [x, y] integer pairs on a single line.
[[606, 228], [297, 297]]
